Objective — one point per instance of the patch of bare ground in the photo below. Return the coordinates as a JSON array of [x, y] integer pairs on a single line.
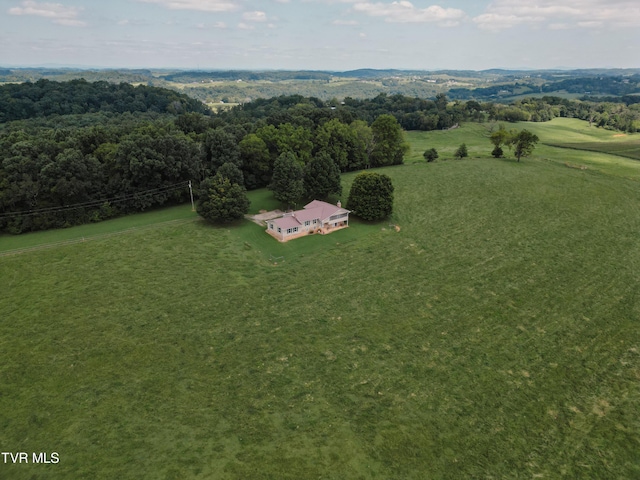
[[263, 216]]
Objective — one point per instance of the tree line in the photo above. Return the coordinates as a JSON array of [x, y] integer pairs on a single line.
[[56, 173], [58, 170], [45, 97], [613, 115], [440, 113]]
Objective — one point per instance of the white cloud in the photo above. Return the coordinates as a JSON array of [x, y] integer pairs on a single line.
[[220, 25], [199, 5], [593, 24], [69, 22], [405, 12], [245, 26], [58, 13], [497, 21], [254, 16], [345, 22], [504, 14]]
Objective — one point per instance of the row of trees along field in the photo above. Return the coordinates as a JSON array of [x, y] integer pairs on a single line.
[[62, 170], [78, 152], [616, 113]]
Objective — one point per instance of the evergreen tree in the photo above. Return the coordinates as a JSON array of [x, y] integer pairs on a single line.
[[461, 152], [287, 182], [322, 177]]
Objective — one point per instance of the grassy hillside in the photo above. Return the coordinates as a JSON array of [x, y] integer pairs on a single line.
[[563, 141], [494, 335]]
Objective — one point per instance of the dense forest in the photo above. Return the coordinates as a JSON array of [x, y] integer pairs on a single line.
[[45, 97], [76, 152], [57, 171], [440, 113]]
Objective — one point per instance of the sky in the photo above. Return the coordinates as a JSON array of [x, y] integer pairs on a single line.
[[321, 34]]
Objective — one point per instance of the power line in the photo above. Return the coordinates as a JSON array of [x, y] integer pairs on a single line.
[[96, 203]]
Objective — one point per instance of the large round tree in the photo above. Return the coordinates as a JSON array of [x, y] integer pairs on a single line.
[[221, 201], [371, 196]]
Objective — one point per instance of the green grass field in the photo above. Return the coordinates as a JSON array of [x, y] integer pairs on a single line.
[[495, 335], [562, 141]]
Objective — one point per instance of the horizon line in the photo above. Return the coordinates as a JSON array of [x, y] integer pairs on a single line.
[[321, 70]]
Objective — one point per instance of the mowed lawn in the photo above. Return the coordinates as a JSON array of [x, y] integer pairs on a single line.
[[493, 334]]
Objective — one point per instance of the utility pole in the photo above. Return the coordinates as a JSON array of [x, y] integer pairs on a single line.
[[193, 207]]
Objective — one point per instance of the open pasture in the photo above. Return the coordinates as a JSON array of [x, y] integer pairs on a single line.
[[578, 135], [622, 149], [563, 141], [495, 335]]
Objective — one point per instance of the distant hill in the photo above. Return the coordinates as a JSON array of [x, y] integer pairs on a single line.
[[245, 75], [241, 86], [594, 85], [46, 97]]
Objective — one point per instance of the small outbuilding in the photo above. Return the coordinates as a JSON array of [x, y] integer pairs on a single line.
[[315, 217]]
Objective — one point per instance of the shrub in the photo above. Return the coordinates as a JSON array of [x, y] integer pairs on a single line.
[[430, 155]]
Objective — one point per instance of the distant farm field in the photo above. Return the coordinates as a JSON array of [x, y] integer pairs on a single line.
[[493, 334]]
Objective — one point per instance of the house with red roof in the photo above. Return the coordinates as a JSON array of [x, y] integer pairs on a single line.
[[315, 217]]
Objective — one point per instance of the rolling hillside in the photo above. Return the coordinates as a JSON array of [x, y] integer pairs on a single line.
[[493, 334]]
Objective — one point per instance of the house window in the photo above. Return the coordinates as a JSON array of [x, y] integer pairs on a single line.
[[295, 229], [279, 230], [307, 223], [315, 220], [271, 226]]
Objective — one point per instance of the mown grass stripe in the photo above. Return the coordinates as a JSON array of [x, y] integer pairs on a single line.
[[73, 241]]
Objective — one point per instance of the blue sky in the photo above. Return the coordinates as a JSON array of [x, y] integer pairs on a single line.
[[321, 34]]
